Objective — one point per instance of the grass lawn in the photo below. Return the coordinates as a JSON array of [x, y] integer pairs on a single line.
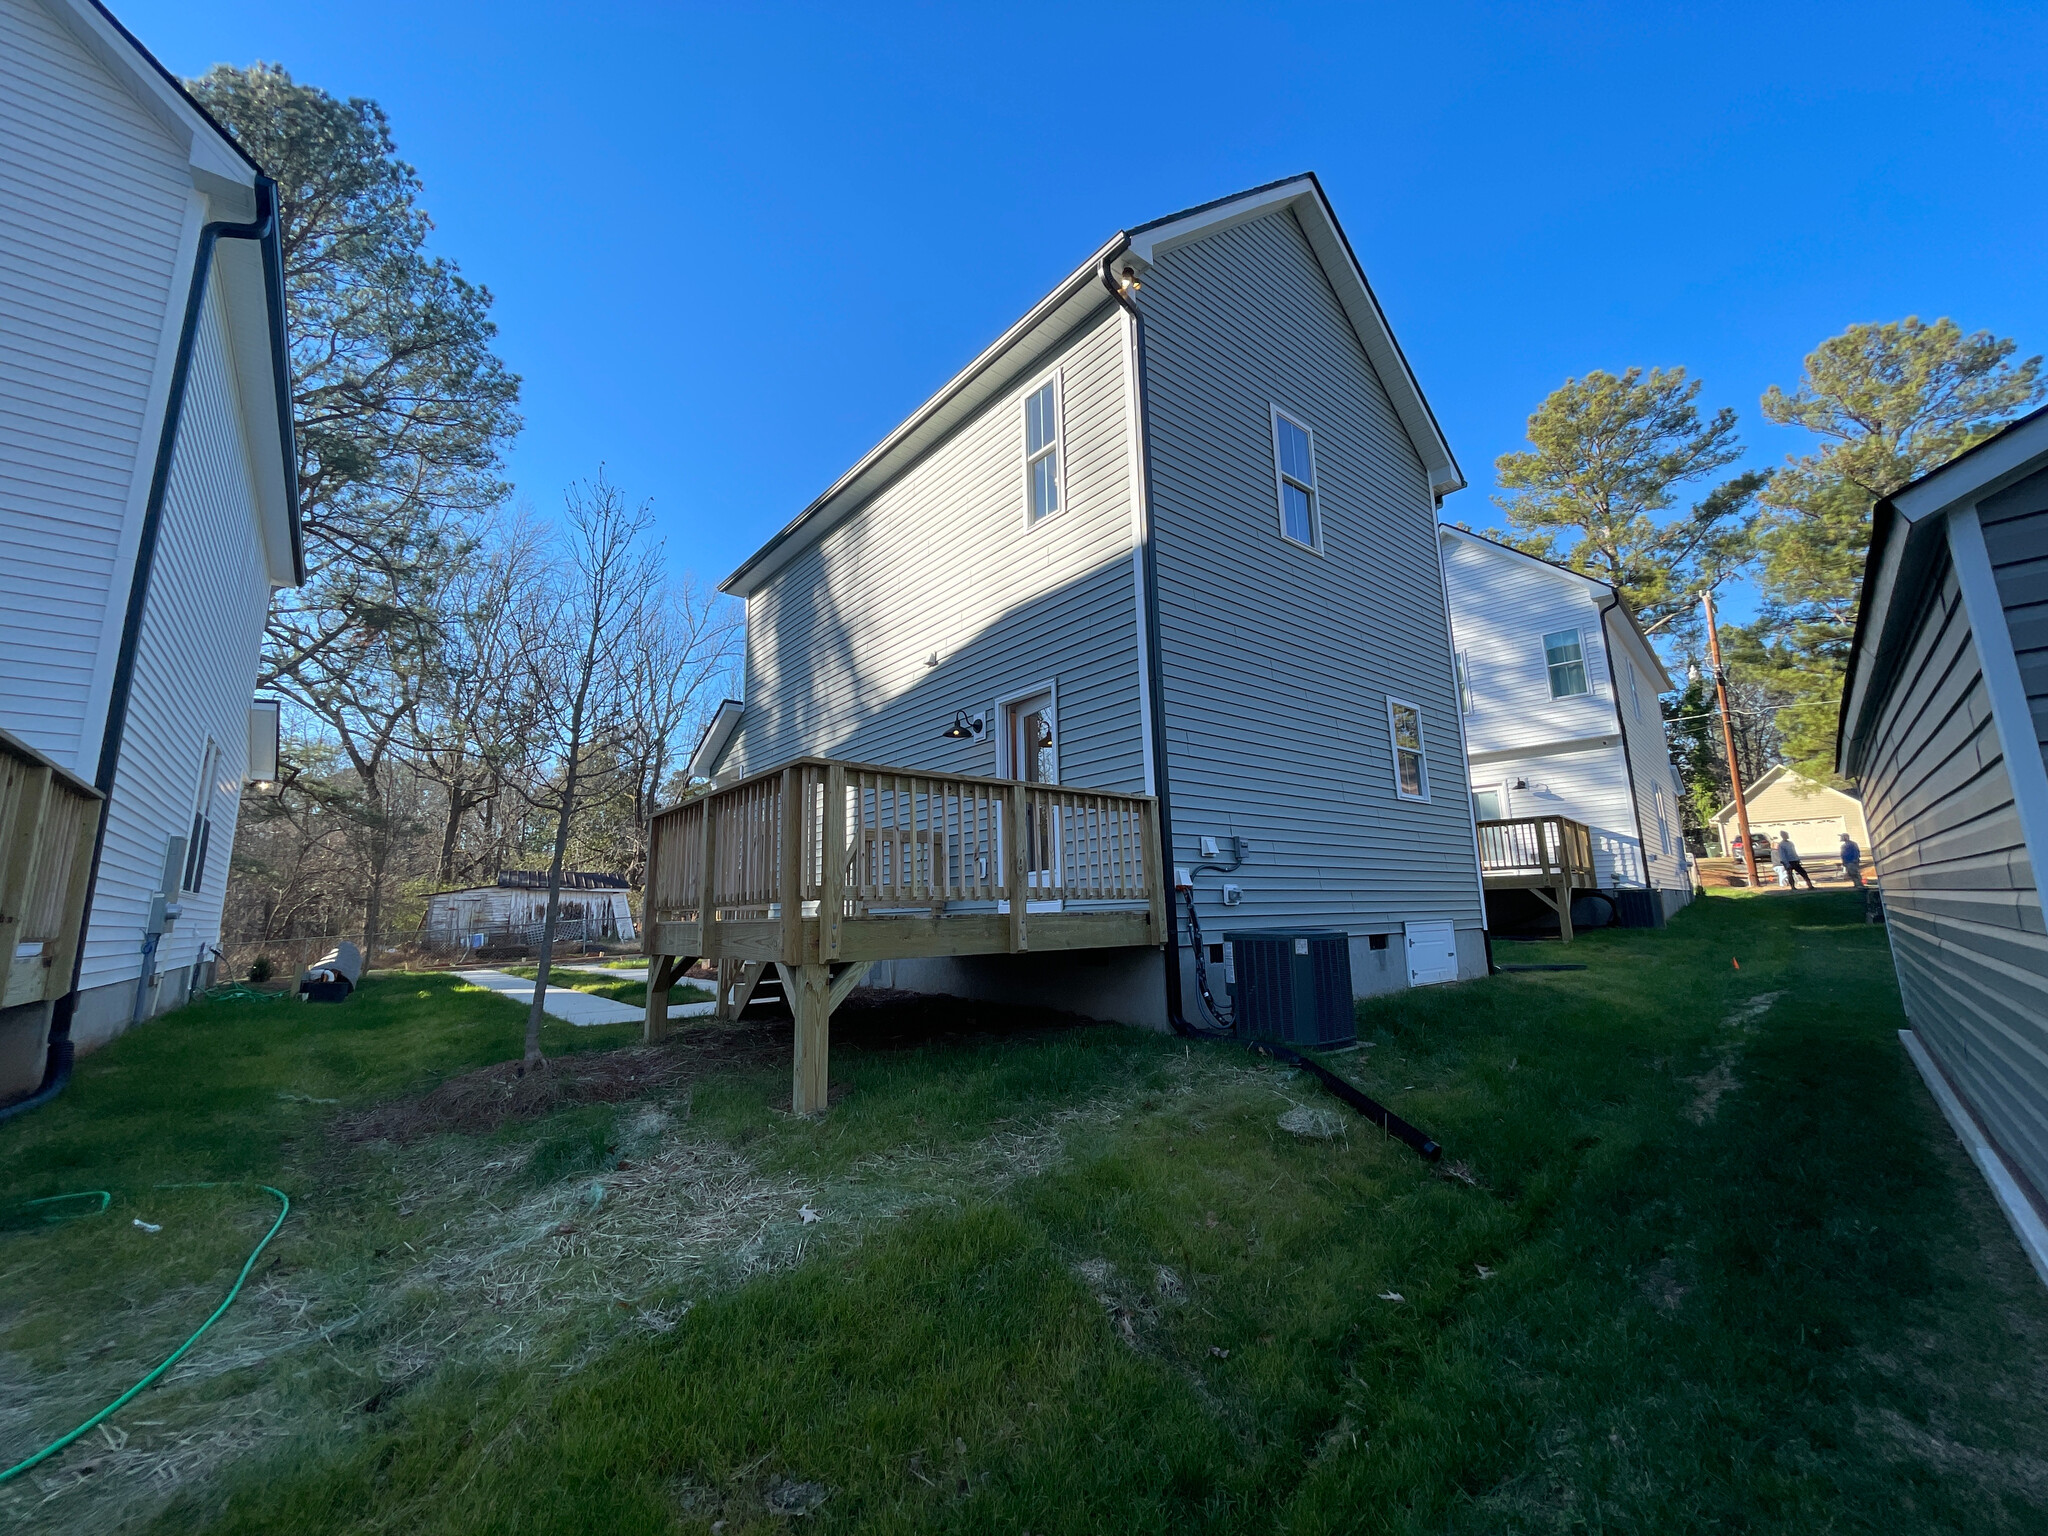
[[1701, 1256]]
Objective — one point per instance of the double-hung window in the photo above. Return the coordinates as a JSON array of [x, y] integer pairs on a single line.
[[1294, 455], [1566, 658], [1042, 449], [1404, 726], [1635, 694]]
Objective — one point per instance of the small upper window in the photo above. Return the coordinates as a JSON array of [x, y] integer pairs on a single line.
[[1411, 775], [200, 844], [1042, 449], [1567, 663], [1635, 697], [1464, 662], [1294, 451]]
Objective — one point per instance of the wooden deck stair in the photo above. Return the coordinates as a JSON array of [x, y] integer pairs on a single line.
[[797, 879]]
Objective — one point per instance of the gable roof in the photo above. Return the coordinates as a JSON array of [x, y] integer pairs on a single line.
[[1080, 295], [1772, 776], [1451, 530], [1907, 535]]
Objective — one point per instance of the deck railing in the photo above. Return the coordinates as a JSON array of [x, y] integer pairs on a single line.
[[832, 839], [48, 820], [1536, 847]]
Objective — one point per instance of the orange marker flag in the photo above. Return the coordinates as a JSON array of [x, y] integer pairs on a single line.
[[1737, 964]]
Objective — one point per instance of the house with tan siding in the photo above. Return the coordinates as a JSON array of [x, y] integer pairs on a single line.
[[148, 506], [1174, 533], [1944, 727]]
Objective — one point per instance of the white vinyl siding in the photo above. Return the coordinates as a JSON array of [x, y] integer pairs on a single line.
[[94, 204], [195, 669], [938, 562]]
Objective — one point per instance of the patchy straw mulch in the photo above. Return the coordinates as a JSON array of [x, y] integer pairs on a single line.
[[496, 1095]]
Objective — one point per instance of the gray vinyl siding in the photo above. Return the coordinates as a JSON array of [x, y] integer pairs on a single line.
[[1960, 892], [94, 204], [2015, 525], [945, 561], [1277, 661]]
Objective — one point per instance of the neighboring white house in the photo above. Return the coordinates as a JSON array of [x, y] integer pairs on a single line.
[[1816, 816], [1560, 697], [592, 906], [1174, 532], [148, 490]]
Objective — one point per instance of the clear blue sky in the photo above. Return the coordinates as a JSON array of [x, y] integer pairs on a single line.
[[732, 246]]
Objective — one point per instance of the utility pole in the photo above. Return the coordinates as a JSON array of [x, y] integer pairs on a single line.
[[1728, 739]]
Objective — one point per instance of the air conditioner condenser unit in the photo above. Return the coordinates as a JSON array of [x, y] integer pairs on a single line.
[[1292, 985]]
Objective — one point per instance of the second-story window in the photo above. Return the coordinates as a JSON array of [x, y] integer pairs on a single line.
[[1294, 450], [1042, 449], [1464, 660], [1404, 725], [1635, 695], [1567, 662]]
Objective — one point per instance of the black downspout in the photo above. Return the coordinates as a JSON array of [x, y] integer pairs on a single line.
[[1371, 1108], [1628, 765], [57, 1066]]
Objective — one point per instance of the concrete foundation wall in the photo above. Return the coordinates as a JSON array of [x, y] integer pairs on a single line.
[[107, 1012]]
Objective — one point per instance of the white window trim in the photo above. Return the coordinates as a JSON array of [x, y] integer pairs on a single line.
[[1635, 692], [1585, 664], [1057, 379], [1315, 491], [1468, 701], [1421, 748]]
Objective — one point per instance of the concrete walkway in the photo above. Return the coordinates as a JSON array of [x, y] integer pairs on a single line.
[[582, 1009]]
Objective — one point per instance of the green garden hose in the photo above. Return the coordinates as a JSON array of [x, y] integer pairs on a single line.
[[285, 1209]]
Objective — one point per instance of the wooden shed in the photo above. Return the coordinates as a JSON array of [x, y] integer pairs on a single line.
[[1944, 716]]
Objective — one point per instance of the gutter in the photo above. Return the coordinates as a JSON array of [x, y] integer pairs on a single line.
[[57, 1067], [1374, 1111], [1628, 766]]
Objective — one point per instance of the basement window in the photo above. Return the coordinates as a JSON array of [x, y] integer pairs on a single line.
[[1411, 774], [1042, 449], [1566, 658], [1294, 462]]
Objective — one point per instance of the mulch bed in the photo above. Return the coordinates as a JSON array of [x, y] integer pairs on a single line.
[[496, 1095], [872, 1018]]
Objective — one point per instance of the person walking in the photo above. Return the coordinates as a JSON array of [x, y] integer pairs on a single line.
[[1787, 858], [1852, 861]]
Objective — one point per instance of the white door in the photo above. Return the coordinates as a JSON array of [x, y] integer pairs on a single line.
[[1432, 953], [1489, 803]]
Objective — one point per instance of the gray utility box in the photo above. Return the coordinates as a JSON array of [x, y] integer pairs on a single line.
[[1292, 985]]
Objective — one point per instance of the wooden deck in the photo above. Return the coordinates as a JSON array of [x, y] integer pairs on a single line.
[[48, 820], [1550, 855], [819, 868]]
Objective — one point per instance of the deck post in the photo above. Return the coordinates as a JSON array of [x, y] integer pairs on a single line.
[[1019, 862], [789, 884], [661, 975], [810, 1000], [707, 887], [832, 869], [1155, 875]]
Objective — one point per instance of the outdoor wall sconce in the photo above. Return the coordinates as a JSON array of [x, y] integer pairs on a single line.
[[1521, 784], [965, 727]]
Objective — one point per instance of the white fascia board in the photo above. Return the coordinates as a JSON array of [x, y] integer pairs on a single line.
[[238, 269], [1304, 195], [2025, 770], [218, 165], [716, 735], [1046, 324], [1979, 473]]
